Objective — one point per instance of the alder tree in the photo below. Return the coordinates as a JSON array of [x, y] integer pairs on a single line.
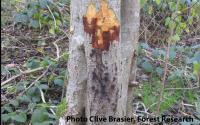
[[101, 59]]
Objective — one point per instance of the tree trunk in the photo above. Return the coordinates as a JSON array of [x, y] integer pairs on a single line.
[[102, 45]]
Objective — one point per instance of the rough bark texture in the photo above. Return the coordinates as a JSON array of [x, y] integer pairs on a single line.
[[99, 79]]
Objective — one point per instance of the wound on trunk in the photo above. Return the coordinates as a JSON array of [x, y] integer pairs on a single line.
[[103, 25]]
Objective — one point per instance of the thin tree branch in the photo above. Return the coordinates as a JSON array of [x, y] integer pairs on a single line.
[[166, 62], [43, 74], [22, 73]]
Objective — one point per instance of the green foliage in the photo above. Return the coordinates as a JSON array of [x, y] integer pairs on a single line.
[[58, 81], [176, 77], [61, 108], [149, 94], [147, 66], [41, 14], [29, 106], [36, 105], [33, 97], [41, 116], [13, 116], [175, 19], [196, 68], [33, 63], [150, 97]]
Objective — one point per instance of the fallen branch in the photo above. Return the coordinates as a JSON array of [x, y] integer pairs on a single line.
[[57, 48], [43, 74], [22, 73]]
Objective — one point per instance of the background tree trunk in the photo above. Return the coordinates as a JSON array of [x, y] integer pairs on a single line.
[[99, 79]]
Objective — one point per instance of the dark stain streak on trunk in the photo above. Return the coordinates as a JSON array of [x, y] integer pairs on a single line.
[[98, 75], [104, 81]]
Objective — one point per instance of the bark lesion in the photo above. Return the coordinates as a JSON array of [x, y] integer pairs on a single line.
[[102, 25], [102, 84], [99, 75]]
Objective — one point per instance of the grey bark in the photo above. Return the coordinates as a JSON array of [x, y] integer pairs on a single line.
[[99, 80]]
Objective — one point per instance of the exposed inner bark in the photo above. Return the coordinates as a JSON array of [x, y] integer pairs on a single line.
[[103, 25]]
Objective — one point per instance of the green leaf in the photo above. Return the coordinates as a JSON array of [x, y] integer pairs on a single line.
[[24, 98], [40, 116], [31, 106], [195, 58], [179, 30], [158, 2], [150, 9], [190, 20], [43, 86], [52, 31], [46, 62], [65, 56], [59, 82], [5, 117], [159, 70], [155, 53], [172, 53], [162, 53], [144, 45], [31, 12], [196, 68], [147, 67], [167, 21], [15, 103], [7, 108], [183, 25], [43, 4], [32, 91], [172, 6], [21, 18], [172, 24], [142, 2], [21, 117], [33, 63], [34, 24], [21, 86], [35, 99], [175, 38]]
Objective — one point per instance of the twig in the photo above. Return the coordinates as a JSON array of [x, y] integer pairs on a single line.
[[166, 64], [164, 78], [22, 73], [149, 55], [184, 104], [43, 100], [43, 74], [151, 105], [67, 33], [57, 48], [57, 51]]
